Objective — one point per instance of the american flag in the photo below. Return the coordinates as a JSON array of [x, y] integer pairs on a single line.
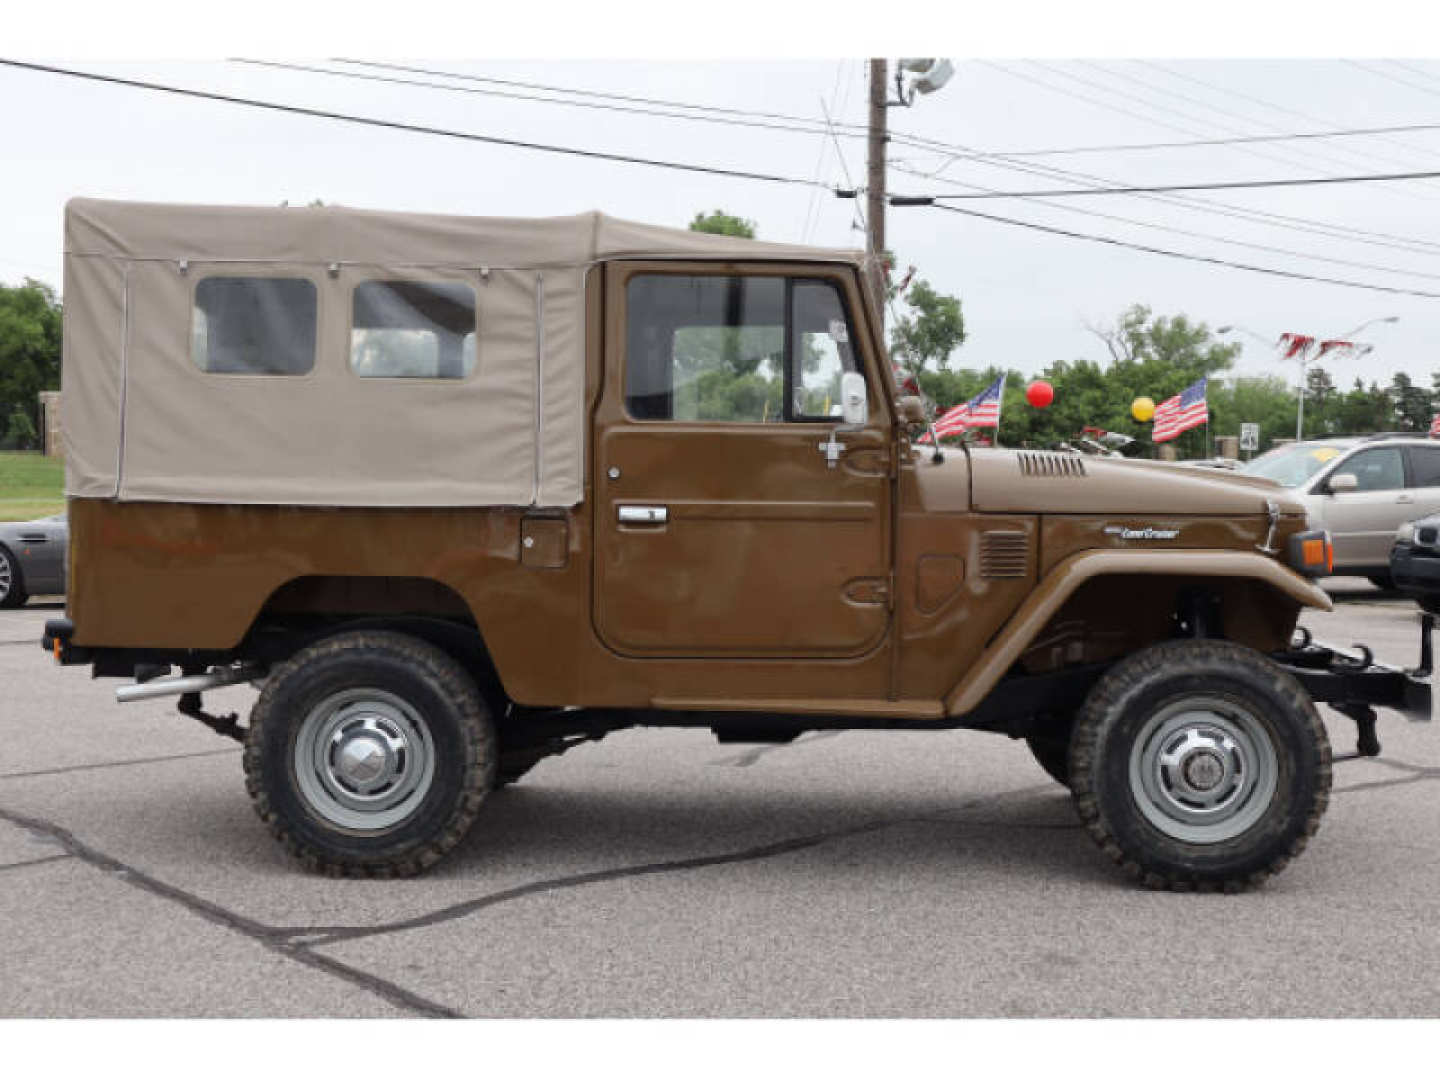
[[1182, 412], [1435, 426], [983, 410]]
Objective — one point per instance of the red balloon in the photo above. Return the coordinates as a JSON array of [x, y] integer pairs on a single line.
[[1040, 393]]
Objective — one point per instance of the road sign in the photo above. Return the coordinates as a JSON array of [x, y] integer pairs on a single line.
[[1250, 437]]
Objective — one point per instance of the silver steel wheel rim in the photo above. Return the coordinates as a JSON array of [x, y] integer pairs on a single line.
[[364, 759], [1203, 770], [6, 575]]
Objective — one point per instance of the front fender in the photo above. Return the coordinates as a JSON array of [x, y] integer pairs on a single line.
[[1060, 584]]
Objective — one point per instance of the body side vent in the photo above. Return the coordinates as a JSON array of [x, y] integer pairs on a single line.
[[1041, 463], [1004, 554]]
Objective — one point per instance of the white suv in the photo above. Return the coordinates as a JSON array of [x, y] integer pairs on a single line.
[[1362, 489]]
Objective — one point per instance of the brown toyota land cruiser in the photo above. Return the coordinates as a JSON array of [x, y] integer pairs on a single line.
[[461, 493]]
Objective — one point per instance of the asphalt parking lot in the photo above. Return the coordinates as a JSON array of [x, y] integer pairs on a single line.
[[658, 873]]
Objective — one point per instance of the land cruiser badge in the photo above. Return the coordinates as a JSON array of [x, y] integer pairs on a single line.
[[1149, 532]]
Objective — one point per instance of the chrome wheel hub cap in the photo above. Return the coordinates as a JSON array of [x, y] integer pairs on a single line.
[[364, 760], [1203, 770]]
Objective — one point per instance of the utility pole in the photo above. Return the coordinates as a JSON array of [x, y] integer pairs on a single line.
[[875, 183]]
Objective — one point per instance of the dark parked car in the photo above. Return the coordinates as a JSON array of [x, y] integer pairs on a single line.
[[1415, 561], [32, 559]]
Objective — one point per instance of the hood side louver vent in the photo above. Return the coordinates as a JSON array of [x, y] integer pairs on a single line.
[[1004, 554], [1033, 463]]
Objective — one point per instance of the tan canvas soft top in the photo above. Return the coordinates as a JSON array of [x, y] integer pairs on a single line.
[[143, 421]]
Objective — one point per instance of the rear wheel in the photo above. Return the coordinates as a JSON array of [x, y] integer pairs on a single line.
[[12, 582], [369, 754], [1199, 764]]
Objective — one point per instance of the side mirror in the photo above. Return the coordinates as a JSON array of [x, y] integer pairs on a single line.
[[1345, 481], [912, 409], [854, 399]]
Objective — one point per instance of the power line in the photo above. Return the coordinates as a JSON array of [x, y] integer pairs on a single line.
[[1392, 77], [687, 167], [1289, 158], [1070, 208], [1182, 144], [1188, 256], [1210, 206], [1266, 155], [1274, 107], [811, 128], [833, 128], [1147, 189], [1428, 76], [593, 93], [395, 125]]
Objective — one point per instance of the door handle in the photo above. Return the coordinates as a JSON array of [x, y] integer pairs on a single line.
[[832, 448], [1404, 498], [642, 515]]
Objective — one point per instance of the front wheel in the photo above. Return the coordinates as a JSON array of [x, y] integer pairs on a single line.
[[369, 754], [1199, 765]]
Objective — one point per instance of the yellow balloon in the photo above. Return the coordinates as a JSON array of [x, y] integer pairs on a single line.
[[1142, 409]]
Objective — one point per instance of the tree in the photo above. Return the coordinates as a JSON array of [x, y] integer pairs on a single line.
[[933, 328], [1363, 409], [29, 358], [1410, 404], [1321, 401], [1268, 401], [717, 221]]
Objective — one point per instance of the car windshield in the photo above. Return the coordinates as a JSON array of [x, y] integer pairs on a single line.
[[1293, 465]]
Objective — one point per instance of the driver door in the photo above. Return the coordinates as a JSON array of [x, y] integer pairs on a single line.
[[735, 516]]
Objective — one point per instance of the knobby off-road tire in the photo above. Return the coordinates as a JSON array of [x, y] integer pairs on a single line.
[[369, 754], [12, 582], [1199, 765]]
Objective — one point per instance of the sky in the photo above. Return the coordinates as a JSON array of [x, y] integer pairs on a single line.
[[1030, 298]]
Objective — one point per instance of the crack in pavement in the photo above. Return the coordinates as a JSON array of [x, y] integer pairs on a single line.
[[329, 935], [34, 862], [118, 764], [750, 757], [266, 936]]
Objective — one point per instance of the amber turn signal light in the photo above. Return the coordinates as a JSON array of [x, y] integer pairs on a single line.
[[1312, 554]]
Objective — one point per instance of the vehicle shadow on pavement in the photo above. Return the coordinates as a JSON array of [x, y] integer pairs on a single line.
[[1027, 833], [547, 831]]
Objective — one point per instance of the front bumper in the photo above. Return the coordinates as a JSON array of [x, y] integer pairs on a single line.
[[1415, 569], [1357, 685]]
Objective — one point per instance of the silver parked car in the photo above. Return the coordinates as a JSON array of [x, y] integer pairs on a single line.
[[32, 558], [1362, 489]]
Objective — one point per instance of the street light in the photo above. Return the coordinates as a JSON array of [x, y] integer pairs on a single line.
[[1267, 342], [1372, 322]]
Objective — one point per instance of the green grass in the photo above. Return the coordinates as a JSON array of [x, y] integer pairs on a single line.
[[31, 486]]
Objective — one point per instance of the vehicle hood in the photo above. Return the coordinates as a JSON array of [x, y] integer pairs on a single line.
[[1033, 481]]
